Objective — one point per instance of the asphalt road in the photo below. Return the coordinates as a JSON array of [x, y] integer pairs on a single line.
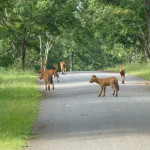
[[72, 117]]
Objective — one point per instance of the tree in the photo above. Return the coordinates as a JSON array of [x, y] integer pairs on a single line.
[[17, 21]]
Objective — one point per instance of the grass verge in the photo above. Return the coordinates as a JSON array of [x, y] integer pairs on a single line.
[[19, 102], [140, 70]]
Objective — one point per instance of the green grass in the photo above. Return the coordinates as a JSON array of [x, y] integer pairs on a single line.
[[140, 70], [19, 102]]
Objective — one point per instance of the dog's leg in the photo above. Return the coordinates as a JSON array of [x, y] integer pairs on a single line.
[[53, 85], [48, 85], [52, 82], [113, 87], [100, 91], [104, 90], [116, 92], [57, 79], [45, 85], [123, 79]]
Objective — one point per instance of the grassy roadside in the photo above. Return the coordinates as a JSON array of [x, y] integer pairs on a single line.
[[140, 70], [19, 101]]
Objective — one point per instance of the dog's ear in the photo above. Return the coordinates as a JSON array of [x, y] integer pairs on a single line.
[[122, 69]]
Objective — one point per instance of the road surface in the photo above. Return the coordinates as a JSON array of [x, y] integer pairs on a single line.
[[72, 117]]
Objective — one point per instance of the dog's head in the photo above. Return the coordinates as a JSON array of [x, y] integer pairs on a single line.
[[41, 76], [122, 69], [93, 79]]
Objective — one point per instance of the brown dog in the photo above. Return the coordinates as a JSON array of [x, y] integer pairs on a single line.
[[51, 72], [48, 78], [47, 75], [122, 75], [63, 67], [103, 82]]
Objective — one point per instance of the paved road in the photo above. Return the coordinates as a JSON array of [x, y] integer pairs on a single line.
[[72, 117]]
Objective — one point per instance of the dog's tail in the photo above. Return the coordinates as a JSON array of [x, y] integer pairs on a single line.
[[117, 85]]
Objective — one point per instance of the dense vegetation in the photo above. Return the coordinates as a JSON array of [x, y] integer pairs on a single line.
[[18, 107], [87, 34]]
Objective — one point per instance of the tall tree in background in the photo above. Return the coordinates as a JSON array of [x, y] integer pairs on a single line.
[[17, 21], [87, 34], [121, 22]]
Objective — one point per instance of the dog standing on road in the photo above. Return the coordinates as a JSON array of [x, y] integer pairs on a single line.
[[63, 67], [122, 75], [103, 82]]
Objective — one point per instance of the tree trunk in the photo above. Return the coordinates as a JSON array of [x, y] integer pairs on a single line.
[[46, 54], [129, 58], [147, 52], [147, 3], [23, 52], [135, 56], [41, 58], [24, 47], [145, 58], [148, 17], [48, 48], [71, 61], [49, 45]]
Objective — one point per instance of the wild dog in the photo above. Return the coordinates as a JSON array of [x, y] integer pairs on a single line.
[[51, 72], [103, 82], [48, 78], [54, 71], [122, 75], [63, 67], [56, 75]]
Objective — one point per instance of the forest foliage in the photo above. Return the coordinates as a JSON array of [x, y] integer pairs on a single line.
[[86, 34]]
